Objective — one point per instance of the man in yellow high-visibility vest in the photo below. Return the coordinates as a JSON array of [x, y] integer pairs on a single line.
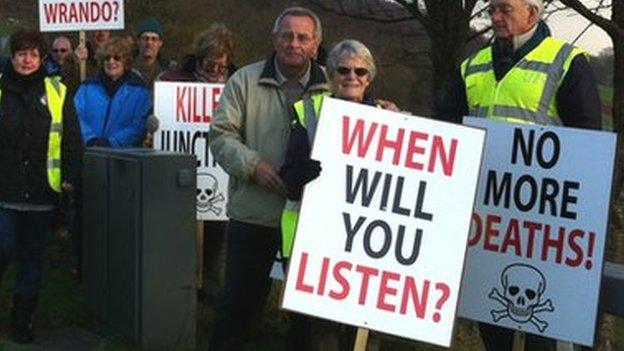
[[524, 76]]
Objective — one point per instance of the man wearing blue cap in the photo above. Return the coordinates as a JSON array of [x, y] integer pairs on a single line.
[[148, 64]]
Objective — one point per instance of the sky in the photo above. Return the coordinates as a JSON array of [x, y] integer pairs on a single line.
[[569, 27]]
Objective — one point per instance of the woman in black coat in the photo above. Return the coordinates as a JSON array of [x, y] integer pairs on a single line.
[[40, 153]]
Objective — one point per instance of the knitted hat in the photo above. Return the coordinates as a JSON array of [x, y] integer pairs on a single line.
[[150, 25]]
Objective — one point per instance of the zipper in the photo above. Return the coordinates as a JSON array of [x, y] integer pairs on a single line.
[[108, 110]]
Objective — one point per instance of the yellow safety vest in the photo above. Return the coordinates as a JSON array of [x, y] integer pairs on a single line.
[[526, 94], [55, 98], [307, 111]]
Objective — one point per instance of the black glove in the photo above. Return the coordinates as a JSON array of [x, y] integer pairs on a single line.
[[311, 170]]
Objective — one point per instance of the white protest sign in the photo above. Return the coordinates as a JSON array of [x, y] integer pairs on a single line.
[[185, 111], [538, 233], [77, 15], [382, 232]]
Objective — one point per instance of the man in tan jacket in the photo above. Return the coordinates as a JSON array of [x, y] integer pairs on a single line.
[[248, 138]]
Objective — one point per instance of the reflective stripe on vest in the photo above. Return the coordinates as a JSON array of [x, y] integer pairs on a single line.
[[527, 93], [55, 98], [307, 111]]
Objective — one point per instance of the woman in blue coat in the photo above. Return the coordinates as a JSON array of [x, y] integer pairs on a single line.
[[113, 105]]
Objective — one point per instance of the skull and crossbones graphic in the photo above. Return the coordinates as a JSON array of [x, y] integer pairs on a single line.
[[208, 194], [523, 290]]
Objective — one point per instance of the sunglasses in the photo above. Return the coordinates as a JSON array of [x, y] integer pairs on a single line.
[[56, 51], [359, 71], [114, 57]]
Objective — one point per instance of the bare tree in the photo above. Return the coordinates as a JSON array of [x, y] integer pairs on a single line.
[[614, 27], [446, 23]]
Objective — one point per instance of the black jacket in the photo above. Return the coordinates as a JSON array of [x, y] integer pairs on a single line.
[[298, 168], [24, 129], [577, 99]]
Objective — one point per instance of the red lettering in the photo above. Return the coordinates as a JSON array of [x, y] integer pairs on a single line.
[[438, 151], [301, 286], [366, 273], [574, 246], [413, 149], [491, 232], [196, 117], [206, 116], [349, 137], [50, 11], [394, 145], [512, 237], [556, 244], [384, 290], [419, 300], [62, 8], [216, 95], [180, 110], [106, 11], [323, 277], [340, 279], [73, 13], [533, 228], [476, 235], [95, 12], [83, 12]]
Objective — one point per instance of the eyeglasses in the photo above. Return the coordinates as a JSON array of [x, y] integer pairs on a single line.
[[290, 36], [114, 57], [359, 71], [61, 50]]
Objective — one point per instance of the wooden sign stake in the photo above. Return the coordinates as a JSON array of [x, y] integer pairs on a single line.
[[82, 40], [361, 339], [519, 341]]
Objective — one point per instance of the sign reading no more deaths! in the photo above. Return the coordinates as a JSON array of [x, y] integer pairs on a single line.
[[185, 111], [536, 245], [382, 231], [77, 15]]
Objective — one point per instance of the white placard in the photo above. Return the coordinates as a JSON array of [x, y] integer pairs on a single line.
[[77, 15], [382, 232], [537, 239], [185, 111]]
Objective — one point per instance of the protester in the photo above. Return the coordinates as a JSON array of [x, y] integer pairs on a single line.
[[63, 62], [149, 63], [40, 156], [61, 50], [211, 62], [248, 139], [351, 69], [113, 105], [524, 76]]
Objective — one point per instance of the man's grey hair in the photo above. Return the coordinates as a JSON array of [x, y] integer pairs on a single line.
[[538, 4], [352, 48], [299, 11]]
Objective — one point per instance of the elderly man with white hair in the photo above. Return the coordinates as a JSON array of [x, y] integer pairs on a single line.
[[524, 76]]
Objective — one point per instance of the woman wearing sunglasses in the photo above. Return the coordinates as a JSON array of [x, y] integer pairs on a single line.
[[350, 71], [113, 106]]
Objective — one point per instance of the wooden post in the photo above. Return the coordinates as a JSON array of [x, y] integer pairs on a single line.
[[200, 254], [361, 339], [82, 40], [519, 341]]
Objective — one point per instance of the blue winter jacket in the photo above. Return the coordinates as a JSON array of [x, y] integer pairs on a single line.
[[120, 119]]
